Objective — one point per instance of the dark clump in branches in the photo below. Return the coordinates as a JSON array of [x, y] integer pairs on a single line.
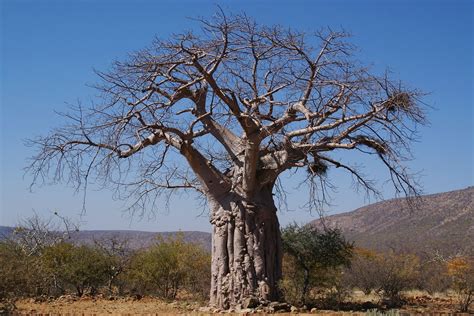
[[317, 168]]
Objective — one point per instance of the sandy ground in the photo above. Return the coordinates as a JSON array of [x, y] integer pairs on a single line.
[[419, 303], [91, 306]]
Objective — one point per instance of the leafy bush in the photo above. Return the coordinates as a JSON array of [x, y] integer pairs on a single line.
[[168, 266], [311, 260], [198, 271], [78, 267], [13, 276], [21, 275]]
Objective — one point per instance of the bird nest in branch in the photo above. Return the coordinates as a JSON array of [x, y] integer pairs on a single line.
[[317, 168], [400, 101]]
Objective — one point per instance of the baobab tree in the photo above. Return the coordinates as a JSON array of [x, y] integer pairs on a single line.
[[225, 111]]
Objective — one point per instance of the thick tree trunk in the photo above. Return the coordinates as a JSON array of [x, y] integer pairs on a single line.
[[246, 250]]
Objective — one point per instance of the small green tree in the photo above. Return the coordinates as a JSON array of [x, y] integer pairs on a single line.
[[78, 267], [310, 254]]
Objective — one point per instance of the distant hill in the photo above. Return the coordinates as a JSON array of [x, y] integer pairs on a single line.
[[136, 239], [140, 239], [443, 222], [5, 232]]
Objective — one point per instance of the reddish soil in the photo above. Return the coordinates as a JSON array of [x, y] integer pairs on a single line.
[[417, 303]]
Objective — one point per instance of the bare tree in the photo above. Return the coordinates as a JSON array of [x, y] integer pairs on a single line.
[[225, 111], [34, 233], [118, 254]]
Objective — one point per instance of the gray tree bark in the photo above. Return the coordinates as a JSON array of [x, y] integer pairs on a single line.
[[246, 250]]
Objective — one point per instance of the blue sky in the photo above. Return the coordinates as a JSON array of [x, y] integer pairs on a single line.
[[50, 48]]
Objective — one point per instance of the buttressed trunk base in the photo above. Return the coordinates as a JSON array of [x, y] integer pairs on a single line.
[[246, 250]]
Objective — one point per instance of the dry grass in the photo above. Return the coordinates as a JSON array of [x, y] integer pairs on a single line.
[[416, 301]]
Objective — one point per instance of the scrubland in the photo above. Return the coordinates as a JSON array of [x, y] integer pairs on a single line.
[[322, 273]]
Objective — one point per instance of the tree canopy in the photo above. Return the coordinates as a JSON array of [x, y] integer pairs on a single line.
[[241, 103]]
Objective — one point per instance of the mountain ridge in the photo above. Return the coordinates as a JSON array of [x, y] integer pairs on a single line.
[[442, 222]]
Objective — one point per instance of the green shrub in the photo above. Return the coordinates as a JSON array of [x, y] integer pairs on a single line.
[[168, 266], [12, 270], [78, 267], [20, 275], [197, 267], [311, 260]]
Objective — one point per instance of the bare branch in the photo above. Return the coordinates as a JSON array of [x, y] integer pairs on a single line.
[[235, 105]]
